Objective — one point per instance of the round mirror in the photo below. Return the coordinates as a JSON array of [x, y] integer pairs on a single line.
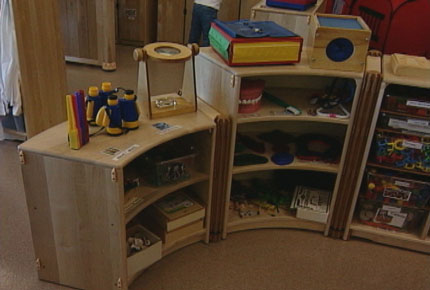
[[165, 50]]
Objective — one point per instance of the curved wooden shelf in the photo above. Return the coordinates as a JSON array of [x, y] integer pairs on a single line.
[[53, 142], [140, 197], [295, 165], [398, 239], [299, 98], [301, 68], [185, 241], [284, 220]]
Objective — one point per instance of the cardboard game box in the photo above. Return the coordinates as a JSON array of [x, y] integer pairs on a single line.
[[247, 42]]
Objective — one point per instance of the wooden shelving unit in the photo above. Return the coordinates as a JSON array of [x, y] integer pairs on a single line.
[[219, 85], [79, 209], [418, 241]]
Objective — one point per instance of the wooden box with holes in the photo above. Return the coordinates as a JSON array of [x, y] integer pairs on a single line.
[[338, 42]]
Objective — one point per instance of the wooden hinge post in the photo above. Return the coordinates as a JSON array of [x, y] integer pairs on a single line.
[[38, 264], [119, 283], [21, 157], [114, 175], [233, 81]]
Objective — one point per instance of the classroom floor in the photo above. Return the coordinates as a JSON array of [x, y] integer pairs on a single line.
[[259, 259]]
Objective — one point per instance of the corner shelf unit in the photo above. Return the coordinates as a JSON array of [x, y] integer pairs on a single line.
[[80, 210], [219, 86], [417, 240]]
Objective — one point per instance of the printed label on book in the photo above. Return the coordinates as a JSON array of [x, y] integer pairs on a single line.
[[418, 104], [391, 216], [398, 194], [412, 145], [402, 183], [418, 122]]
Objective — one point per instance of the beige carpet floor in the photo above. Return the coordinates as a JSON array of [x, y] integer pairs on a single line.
[[251, 260]]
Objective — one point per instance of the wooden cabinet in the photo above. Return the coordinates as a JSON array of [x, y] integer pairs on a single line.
[[137, 21], [88, 31], [220, 86], [80, 207], [372, 208]]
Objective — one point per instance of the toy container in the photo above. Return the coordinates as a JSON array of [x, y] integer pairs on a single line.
[[170, 170], [390, 217], [250, 96], [140, 260], [418, 106], [402, 151], [397, 191], [404, 123]]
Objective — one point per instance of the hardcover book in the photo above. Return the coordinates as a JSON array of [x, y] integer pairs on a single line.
[[176, 210]]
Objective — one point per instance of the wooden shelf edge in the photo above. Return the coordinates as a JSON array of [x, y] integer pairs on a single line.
[[267, 222], [157, 193], [397, 239], [242, 119], [296, 165], [185, 241], [372, 164]]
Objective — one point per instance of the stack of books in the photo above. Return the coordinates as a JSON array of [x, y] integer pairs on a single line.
[[174, 217]]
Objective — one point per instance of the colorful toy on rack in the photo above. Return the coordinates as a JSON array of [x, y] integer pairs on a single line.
[[78, 132], [340, 42], [245, 42], [291, 4], [402, 151], [173, 63], [392, 189]]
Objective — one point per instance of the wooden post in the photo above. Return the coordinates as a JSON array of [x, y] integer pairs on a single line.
[[41, 60]]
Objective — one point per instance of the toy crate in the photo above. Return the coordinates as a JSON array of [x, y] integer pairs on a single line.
[[138, 261], [402, 151], [404, 123], [398, 191], [171, 170], [418, 106], [390, 217], [340, 42]]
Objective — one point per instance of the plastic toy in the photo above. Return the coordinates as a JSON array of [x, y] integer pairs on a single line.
[[317, 147], [289, 110], [249, 159], [110, 117], [130, 110], [250, 96]]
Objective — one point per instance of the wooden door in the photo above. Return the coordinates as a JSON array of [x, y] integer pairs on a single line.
[[170, 23], [245, 8], [137, 21]]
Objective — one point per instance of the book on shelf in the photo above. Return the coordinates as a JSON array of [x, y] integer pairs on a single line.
[[169, 238], [175, 210]]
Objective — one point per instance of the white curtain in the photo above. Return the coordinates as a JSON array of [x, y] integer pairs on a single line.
[[10, 95]]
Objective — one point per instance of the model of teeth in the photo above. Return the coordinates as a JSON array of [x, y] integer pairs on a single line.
[[250, 101]]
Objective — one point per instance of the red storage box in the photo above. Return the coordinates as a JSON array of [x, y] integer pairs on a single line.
[[250, 96]]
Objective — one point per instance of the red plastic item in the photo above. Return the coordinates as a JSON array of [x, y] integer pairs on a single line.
[[250, 96], [398, 26]]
